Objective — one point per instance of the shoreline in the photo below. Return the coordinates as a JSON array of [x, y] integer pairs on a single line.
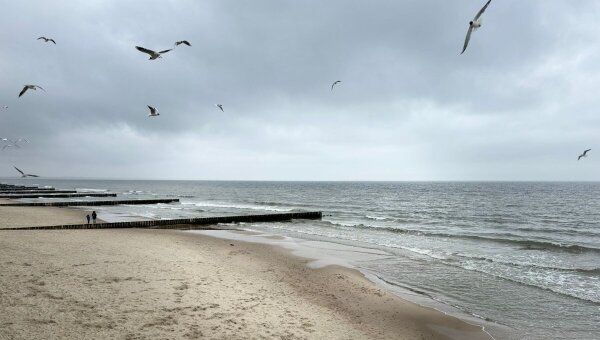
[[192, 286], [346, 256]]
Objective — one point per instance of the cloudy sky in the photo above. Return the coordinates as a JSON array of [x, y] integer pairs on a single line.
[[520, 104]]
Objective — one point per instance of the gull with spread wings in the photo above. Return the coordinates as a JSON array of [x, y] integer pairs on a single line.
[[474, 25], [47, 39], [584, 154], [153, 111], [30, 87], [153, 55], [24, 175]]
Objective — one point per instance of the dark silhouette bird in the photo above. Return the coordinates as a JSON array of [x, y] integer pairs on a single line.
[[474, 25], [584, 154], [153, 55], [335, 83], [30, 87], [185, 42], [47, 39], [220, 107], [24, 175], [153, 112]]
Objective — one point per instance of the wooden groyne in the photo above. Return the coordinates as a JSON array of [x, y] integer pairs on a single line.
[[19, 187], [51, 195], [90, 203], [28, 191], [185, 223]]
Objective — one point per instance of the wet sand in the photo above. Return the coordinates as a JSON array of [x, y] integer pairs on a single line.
[[148, 284]]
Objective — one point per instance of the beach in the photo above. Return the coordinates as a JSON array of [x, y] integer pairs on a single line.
[[138, 284]]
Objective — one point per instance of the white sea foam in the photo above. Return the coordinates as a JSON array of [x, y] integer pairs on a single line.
[[240, 206]]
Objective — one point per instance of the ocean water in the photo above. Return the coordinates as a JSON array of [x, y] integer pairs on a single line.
[[524, 255]]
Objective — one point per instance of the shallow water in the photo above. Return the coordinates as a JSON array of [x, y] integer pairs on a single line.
[[525, 255]]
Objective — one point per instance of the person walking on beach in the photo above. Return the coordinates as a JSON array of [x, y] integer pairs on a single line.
[[94, 216], [88, 218]]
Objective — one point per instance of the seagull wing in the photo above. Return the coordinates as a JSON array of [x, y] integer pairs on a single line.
[[145, 50], [152, 110], [52, 41], [482, 9], [586, 151], [467, 38], [165, 51], [39, 87], [33, 175], [25, 88], [41, 38], [186, 42], [22, 173]]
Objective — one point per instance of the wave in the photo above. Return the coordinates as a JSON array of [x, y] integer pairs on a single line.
[[90, 190], [377, 218], [561, 291], [523, 244], [241, 206], [526, 265]]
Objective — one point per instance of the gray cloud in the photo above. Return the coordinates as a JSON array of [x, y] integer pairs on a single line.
[[519, 104]]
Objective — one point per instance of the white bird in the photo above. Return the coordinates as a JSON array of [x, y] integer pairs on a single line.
[[153, 112], [30, 87], [474, 25], [584, 154], [47, 39], [185, 42], [219, 106], [153, 55], [24, 175], [335, 83]]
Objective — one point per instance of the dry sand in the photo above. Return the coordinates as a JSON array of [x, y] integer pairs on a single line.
[[165, 284], [18, 217]]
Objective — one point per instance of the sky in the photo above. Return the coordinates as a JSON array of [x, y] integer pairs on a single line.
[[520, 104]]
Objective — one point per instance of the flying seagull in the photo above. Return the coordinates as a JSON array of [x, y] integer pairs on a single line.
[[220, 106], [153, 112], [185, 42], [584, 154], [24, 175], [153, 55], [335, 83], [47, 39], [4, 107], [30, 87], [474, 25]]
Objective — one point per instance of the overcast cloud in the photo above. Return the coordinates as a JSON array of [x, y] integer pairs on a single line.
[[520, 104]]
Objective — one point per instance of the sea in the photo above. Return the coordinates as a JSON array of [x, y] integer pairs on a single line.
[[520, 258]]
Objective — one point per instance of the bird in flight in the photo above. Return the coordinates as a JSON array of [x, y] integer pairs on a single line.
[[584, 154], [4, 107], [153, 112], [24, 175], [335, 83], [474, 25], [185, 42], [220, 106], [153, 55], [47, 39], [30, 87]]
